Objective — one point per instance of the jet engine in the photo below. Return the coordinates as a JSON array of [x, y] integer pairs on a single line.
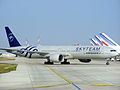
[[56, 57], [85, 60]]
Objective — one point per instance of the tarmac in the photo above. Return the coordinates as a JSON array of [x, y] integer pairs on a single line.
[[32, 74]]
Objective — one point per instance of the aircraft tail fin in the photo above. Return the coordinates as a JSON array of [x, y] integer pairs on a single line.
[[13, 42], [99, 40], [103, 42], [94, 42], [108, 39]]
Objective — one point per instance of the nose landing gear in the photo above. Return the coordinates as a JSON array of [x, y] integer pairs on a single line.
[[108, 62]]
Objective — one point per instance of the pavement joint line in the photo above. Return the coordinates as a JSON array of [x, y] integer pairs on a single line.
[[52, 86], [70, 82]]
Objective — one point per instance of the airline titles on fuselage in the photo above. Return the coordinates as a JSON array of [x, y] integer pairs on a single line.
[[88, 49]]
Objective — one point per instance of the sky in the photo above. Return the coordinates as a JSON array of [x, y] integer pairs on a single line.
[[59, 22]]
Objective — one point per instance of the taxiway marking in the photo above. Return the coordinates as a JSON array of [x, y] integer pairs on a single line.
[[70, 82]]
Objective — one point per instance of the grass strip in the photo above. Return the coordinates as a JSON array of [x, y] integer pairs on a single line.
[[5, 59], [4, 68]]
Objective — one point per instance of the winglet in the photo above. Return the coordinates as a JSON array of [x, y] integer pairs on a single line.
[[13, 42]]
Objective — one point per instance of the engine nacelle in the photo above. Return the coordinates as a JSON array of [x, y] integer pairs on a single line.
[[85, 60], [56, 57]]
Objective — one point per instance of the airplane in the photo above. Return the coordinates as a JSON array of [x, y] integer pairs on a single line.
[[59, 53]]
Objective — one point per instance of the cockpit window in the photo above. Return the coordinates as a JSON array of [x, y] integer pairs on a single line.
[[112, 50]]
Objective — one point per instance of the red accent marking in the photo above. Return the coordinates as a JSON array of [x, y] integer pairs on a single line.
[[76, 44], [98, 44], [104, 43]]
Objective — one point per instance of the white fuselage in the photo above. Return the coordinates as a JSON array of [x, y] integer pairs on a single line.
[[71, 52], [117, 48]]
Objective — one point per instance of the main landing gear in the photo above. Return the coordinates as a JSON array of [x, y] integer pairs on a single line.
[[16, 55], [48, 62], [65, 62]]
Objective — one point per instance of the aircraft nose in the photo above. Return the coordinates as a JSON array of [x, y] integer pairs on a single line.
[[116, 53], [119, 54]]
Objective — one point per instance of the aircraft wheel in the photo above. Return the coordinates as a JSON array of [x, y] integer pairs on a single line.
[[107, 63], [48, 63], [65, 62]]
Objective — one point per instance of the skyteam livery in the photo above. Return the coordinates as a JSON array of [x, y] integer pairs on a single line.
[[58, 53]]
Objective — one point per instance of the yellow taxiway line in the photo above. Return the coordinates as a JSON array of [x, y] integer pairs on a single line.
[[101, 85], [70, 82]]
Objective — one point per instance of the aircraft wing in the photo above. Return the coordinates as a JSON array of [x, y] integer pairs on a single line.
[[8, 49], [47, 54], [34, 52], [44, 54], [17, 50]]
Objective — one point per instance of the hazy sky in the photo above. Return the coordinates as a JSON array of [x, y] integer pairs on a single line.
[[59, 22]]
